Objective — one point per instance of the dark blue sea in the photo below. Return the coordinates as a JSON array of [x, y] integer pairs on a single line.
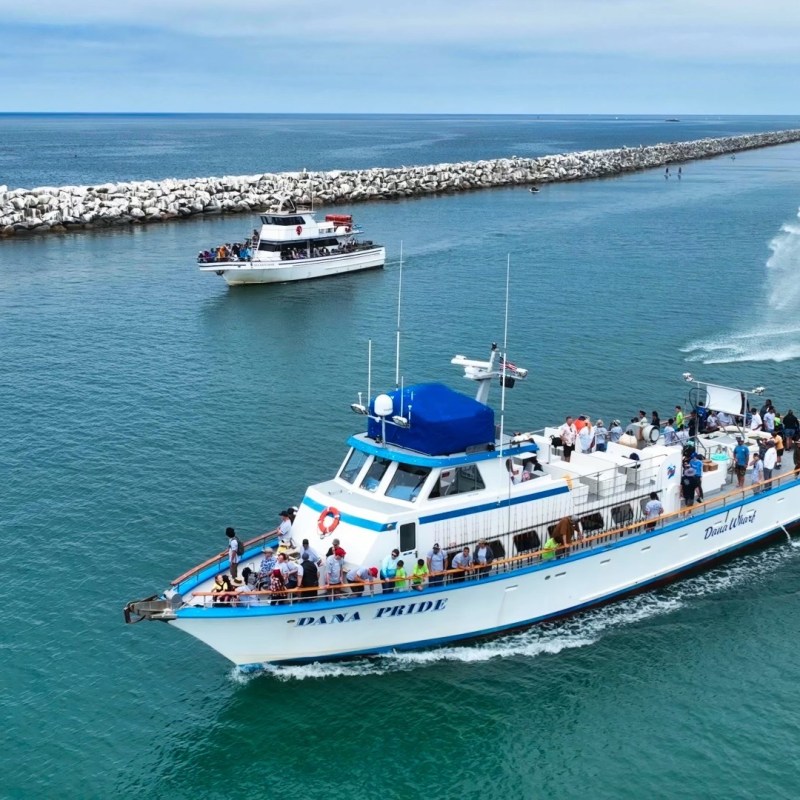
[[145, 406]]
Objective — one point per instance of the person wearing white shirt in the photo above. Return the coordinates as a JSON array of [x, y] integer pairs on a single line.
[[568, 434], [770, 460], [654, 508], [756, 422], [757, 473]]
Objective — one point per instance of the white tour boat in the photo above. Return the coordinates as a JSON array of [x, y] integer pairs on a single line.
[[292, 245], [433, 469]]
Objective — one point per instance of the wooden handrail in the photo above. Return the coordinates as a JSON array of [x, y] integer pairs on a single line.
[[219, 557]]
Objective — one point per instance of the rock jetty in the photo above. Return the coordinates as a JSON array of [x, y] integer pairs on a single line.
[[66, 208]]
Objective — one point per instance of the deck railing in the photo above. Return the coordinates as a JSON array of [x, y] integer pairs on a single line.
[[500, 565]]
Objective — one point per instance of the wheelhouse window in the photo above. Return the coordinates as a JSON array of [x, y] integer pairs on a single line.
[[407, 482], [457, 480], [375, 472], [355, 461]]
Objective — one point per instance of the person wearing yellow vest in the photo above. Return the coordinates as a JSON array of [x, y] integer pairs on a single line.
[[549, 549]]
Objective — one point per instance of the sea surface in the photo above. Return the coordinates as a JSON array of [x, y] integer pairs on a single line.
[[145, 406]]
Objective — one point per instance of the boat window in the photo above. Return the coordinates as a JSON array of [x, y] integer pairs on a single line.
[[271, 246], [457, 480], [376, 471], [407, 482], [408, 539], [592, 522], [620, 515], [525, 542], [353, 465]]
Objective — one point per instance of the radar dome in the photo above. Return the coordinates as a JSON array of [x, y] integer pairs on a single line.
[[383, 405]]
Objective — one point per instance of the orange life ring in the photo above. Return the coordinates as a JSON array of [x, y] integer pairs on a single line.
[[325, 526], [299, 229]]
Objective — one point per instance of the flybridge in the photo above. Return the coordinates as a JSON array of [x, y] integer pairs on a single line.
[[434, 420]]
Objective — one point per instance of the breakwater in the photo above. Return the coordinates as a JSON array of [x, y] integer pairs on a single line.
[[66, 208]]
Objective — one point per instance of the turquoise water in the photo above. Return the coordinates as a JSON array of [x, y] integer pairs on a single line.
[[146, 406]]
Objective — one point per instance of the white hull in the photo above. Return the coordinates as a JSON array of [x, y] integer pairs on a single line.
[[544, 590], [246, 272]]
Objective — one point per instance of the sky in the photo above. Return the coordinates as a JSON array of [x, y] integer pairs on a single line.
[[413, 56]]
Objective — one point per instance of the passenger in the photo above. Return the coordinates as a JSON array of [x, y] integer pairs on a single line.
[[688, 483], [563, 532], [568, 434], [697, 466], [550, 548], [615, 432], [307, 552], [530, 466], [513, 474], [580, 422], [600, 437], [654, 508], [586, 437], [701, 412], [757, 473], [277, 588], [655, 420], [483, 558], [790, 426], [334, 570], [778, 439], [233, 551], [401, 575], [712, 422], [437, 564], [222, 590], [670, 437], [359, 577], [463, 563], [769, 420], [284, 531], [642, 418], [679, 418], [267, 565], [741, 458], [389, 571], [419, 575], [310, 580], [756, 423], [725, 419], [250, 598], [682, 435], [769, 462], [334, 544], [292, 572]]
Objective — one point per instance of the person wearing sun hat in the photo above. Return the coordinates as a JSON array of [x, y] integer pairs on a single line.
[[284, 532], [600, 437]]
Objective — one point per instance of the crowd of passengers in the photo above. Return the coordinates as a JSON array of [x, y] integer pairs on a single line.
[[288, 573], [776, 434], [238, 251]]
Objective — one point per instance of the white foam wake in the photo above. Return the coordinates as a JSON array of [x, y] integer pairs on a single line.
[[550, 638], [776, 336]]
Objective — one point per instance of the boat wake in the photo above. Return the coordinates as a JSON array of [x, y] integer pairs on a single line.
[[581, 630], [776, 337]]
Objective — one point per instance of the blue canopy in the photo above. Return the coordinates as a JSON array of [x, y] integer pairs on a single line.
[[442, 421]]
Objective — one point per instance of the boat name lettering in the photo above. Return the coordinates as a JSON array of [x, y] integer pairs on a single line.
[[729, 523], [411, 608], [329, 619], [401, 610]]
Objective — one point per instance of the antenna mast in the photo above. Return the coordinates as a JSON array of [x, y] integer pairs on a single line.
[[397, 346]]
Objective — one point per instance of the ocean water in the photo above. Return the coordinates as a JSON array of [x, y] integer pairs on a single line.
[[146, 406]]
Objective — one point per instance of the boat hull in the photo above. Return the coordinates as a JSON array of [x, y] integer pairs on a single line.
[[323, 630], [243, 273]]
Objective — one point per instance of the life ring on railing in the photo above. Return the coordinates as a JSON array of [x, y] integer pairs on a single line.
[[326, 526], [299, 229]]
